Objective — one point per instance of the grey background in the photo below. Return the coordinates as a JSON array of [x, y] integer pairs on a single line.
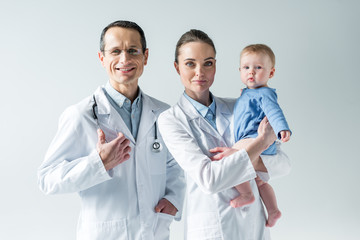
[[49, 61]]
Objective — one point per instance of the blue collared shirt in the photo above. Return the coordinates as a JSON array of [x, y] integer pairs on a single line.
[[130, 113], [209, 113]]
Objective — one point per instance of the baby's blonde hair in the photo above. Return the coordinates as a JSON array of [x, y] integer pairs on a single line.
[[259, 48]]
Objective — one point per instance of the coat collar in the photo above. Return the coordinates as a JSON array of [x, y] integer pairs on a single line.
[[110, 116], [223, 113]]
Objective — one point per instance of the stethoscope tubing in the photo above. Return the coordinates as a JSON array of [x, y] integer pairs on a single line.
[[156, 146]]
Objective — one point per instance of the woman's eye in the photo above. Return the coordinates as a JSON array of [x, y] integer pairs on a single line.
[[209, 63], [189, 64]]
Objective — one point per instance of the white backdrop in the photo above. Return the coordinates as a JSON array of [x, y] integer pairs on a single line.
[[49, 60]]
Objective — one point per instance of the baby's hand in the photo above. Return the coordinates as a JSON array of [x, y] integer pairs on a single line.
[[285, 136]]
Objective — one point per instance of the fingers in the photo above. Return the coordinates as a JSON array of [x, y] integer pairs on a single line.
[[101, 136], [125, 154], [220, 151], [115, 152], [217, 157], [165, 206], [160, 206], [121, 141], [217, 149], [265, 130], [282, 135], [123, 146], [285, 136], [121, 136], [263, 123], [265, 120]]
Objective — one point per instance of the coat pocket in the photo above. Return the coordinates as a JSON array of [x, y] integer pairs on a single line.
[[109, 230], [156, 159], [204, 226], [162, 225]]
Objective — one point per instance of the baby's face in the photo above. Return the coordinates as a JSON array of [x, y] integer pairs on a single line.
[[256, 70]]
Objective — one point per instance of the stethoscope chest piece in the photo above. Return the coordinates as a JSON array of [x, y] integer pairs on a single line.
[[156, 146]]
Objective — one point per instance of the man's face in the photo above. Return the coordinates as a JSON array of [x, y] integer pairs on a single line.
[[123, 58]]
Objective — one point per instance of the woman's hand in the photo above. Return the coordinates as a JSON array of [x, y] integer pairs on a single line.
[[266, 133], [222, 152]]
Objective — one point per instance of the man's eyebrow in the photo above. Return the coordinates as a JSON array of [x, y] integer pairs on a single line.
[[131, 46]]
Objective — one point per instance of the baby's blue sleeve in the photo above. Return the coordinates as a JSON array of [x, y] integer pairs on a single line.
[[272, 110]]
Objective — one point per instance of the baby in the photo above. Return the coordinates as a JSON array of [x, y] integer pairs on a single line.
[[257, 100]]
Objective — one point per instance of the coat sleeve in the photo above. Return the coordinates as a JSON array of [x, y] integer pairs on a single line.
[[210, 176], [175, 185], [71, 163]]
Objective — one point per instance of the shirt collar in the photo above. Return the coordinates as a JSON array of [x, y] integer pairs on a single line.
[[120, 99], [202, 109]]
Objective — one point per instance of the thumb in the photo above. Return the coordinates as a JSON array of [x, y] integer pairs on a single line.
[[159, 207], [101, 136]]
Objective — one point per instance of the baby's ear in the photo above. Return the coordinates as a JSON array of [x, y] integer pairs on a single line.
[[272, 73]]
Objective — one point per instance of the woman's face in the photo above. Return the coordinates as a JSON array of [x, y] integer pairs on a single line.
[[196, 67]]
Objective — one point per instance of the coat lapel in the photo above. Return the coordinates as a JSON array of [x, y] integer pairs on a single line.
[[195, 116], [148, 117], [223, 116], [109, 117]]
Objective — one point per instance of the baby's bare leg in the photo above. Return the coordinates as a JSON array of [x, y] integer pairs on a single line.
[[246, 195], [268, 197]]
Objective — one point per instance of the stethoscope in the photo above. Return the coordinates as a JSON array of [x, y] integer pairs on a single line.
[[156, 146]]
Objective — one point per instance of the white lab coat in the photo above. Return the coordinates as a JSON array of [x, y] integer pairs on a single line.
[[189, 137], [119, 203]]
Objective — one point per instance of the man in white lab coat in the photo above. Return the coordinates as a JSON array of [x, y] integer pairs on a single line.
[[108, 149]]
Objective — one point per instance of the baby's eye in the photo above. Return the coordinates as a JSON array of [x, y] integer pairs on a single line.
[[258, 67], [245, 67]]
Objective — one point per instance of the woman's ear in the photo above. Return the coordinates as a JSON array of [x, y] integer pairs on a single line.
[[176, 65]]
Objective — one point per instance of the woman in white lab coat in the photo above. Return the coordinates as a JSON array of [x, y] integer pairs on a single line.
[[200, 122]]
